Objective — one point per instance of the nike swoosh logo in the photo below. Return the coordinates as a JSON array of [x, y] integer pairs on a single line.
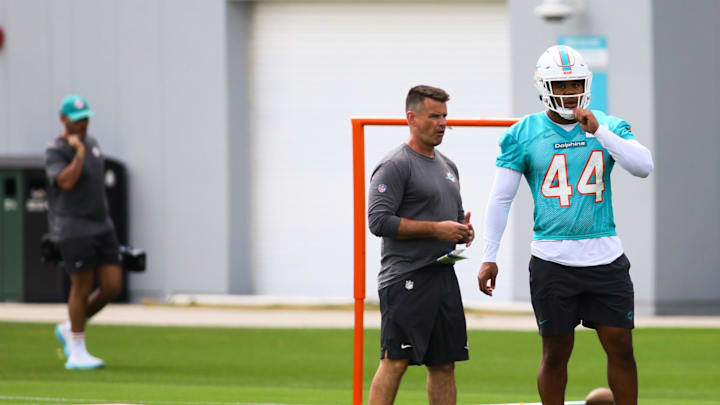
[[404, 346], [542, 322]]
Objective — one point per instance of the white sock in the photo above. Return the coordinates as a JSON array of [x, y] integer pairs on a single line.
[[77, 343], [66, 326]]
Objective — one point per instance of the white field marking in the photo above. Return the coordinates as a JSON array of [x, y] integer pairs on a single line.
[[105, 401], [540, 403], [88, 400]]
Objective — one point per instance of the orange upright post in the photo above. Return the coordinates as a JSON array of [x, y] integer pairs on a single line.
[[358, 142], [359, 255]]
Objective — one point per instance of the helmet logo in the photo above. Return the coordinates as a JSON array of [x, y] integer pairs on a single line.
[[565, 61]]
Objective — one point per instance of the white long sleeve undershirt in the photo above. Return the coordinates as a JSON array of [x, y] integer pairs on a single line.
[[630, 155], [503, 192]]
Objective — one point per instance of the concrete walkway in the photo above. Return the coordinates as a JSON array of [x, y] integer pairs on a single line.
[[182, 315]]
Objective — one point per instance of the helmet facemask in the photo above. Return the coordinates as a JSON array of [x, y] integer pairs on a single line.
[[557, 102], [562, 63]]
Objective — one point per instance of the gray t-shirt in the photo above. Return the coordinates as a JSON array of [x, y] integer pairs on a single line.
[[406, 184], [83, 210]]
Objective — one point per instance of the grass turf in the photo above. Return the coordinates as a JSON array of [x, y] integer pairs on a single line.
[[164, 365]]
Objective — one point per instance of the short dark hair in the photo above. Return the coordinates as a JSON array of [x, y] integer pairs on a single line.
[[417, 95]]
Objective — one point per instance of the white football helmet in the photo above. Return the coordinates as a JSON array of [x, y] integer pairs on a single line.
[[558, 63]]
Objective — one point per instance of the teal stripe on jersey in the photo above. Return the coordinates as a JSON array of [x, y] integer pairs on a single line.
[[568, 174]]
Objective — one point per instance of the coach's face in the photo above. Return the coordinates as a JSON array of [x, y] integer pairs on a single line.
[[428, 124]]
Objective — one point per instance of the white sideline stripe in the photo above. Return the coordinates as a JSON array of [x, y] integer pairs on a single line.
[[60, 400], [105, 401], [540, 403]]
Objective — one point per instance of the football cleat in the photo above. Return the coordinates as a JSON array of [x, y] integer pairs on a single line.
[[83, 361], [62, 333]]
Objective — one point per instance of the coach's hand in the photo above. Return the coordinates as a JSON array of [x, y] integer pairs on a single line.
[[471, 231], [587, 120], [452, 231], [488, 273]]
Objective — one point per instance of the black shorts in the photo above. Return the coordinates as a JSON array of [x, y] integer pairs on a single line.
[[423, 318], [87, 253], [565, 296]]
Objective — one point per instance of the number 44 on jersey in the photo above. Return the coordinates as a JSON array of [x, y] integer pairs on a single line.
[[556, 184]]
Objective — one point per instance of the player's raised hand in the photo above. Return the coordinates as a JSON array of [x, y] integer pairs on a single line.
[[486, 277], [451, 231], [471, 230], [587, 120]]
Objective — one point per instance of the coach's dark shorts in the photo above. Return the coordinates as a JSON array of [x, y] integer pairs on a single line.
[[564, 296], [423, 318], [87, 253]]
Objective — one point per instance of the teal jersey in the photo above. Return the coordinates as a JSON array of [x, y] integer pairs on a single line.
[[568, 174]]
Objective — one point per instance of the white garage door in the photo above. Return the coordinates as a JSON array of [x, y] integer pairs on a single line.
[[313, 66]]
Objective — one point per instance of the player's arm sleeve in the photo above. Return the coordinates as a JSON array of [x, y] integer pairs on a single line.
[[387, 186], [505, 186], [628, 152], [55, 163]]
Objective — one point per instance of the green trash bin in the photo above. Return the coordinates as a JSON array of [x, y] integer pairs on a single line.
[[11, 236], [23, 222]]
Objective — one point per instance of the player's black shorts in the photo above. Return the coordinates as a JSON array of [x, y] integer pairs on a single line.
[[86, 253], [423, 319], [564, 296]]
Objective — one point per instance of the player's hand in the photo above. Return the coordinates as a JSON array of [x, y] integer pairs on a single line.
[[587, 120], [486, 277], [452, 231], [76, 143], [471, 231]]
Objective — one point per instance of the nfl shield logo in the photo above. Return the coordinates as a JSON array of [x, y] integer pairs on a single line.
[[409, 284], [381, 188]]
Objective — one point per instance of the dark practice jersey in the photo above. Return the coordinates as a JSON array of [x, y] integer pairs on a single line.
[[406, 184]]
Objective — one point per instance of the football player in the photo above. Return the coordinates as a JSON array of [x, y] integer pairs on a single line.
[[578, 270]]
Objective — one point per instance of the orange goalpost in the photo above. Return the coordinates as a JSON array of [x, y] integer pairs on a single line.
[[358, 144]]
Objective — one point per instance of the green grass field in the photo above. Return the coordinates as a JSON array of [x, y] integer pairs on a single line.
[[163, 365]]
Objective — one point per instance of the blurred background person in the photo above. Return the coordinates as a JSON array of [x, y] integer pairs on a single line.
[[80, 224]]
